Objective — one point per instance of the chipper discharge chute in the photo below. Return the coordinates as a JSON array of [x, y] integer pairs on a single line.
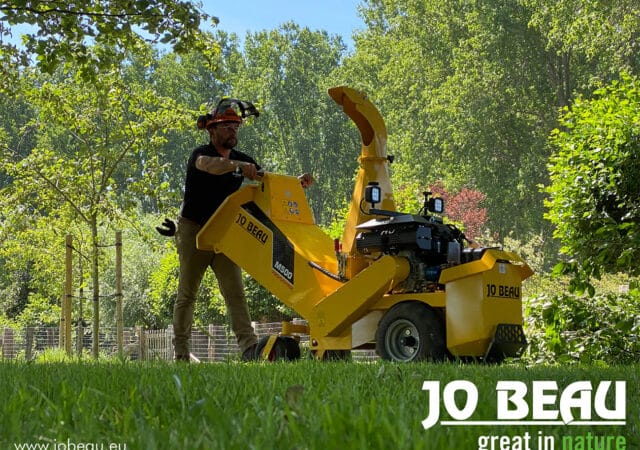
[[400, 283]]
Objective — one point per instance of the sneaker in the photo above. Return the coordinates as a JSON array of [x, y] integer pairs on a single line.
[[250, 354]]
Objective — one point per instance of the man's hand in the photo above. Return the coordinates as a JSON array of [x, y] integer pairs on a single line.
[[306, 180], [249, 170]]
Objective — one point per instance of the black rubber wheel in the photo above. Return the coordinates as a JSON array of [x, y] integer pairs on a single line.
[[411, 331], [284, 349]]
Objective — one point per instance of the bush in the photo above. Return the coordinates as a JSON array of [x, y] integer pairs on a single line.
[[569, 328], [594, 174]]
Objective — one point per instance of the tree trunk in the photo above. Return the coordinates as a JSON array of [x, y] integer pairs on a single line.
[[560, 75]]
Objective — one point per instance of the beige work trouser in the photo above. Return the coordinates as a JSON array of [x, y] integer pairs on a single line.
[[193, 264]]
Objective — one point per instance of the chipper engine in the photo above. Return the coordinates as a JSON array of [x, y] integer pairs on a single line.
[[404, 284]]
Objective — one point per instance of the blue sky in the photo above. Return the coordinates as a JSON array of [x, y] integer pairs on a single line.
[[239, 16]]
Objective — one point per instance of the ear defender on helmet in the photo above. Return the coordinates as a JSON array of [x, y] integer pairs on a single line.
[[201, 123]]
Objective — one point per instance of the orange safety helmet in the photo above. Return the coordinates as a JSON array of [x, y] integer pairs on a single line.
[[226, 112]]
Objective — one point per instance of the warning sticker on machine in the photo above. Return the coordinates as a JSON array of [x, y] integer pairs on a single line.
[[282, 260]]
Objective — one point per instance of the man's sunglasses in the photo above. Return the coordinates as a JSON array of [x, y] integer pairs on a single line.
[[227, 127]]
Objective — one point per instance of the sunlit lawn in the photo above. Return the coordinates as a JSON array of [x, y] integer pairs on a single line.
[[306, 404]]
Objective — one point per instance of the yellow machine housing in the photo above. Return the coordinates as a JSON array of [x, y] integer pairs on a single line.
[[346, 295]]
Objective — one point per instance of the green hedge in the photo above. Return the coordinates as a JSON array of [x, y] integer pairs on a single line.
[[569, 328]]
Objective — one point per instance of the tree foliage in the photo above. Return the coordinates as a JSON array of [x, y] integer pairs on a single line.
[[464, 207], [595, 180], [94, 165], [92, 36], [470, 90], [463, 87]]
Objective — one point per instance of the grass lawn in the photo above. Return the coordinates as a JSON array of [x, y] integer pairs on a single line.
[[301, 405]]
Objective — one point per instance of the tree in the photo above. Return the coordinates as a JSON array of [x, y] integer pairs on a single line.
[[463, 88], [587, 41], [463, 207], [595, 180], [95, 162], [92, 36], [470, 90]]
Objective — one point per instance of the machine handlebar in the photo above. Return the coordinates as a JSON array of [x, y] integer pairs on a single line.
[[261, 173]]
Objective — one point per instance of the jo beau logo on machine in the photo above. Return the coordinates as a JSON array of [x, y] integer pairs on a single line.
[[282, 259], [252, 228], [502, 290]]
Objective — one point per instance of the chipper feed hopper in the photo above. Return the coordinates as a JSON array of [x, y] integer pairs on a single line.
[[403, 284]]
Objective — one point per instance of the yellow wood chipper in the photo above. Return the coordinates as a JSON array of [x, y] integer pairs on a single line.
[[401, 283]]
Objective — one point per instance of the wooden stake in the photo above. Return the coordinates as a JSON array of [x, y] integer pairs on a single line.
[[118, 295], [65, 338]]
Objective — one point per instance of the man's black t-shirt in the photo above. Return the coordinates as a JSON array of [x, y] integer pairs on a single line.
[[204, 192]]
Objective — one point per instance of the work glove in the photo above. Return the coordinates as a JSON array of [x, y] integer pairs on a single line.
[[168, 228]]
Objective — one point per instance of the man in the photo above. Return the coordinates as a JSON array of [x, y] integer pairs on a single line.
[[214, 171]]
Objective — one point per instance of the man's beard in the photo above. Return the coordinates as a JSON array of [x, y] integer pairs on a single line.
[[230, 142]]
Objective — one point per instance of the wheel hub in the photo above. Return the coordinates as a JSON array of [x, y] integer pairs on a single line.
[[403, 340]]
